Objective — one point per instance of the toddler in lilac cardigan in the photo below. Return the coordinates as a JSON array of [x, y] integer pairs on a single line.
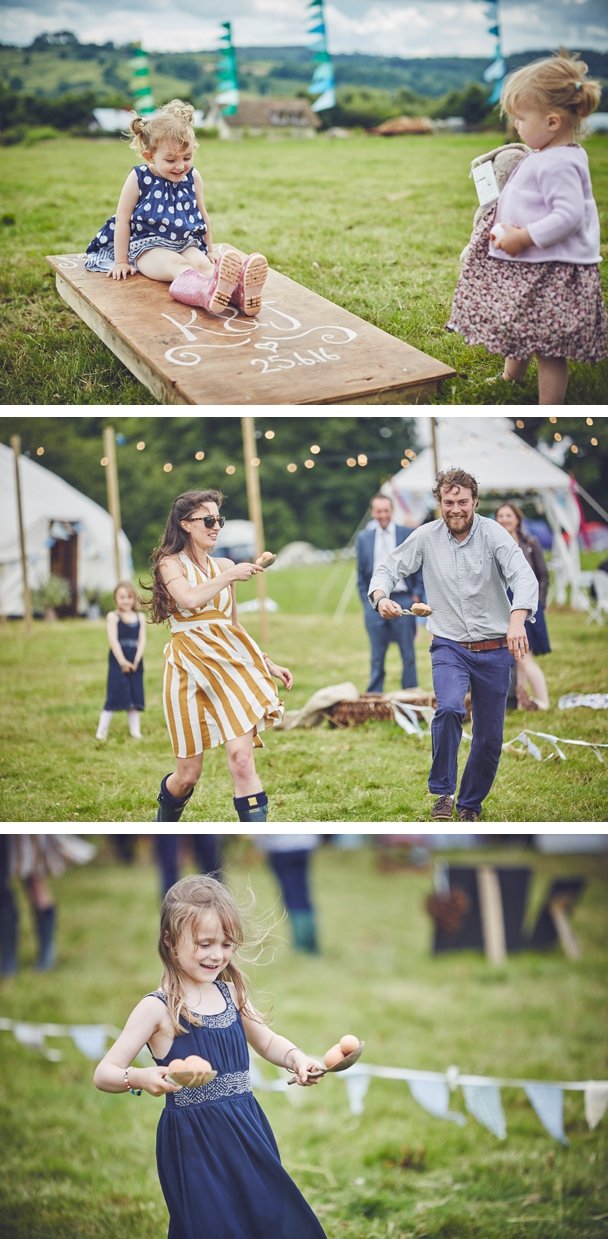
[[529, 283]]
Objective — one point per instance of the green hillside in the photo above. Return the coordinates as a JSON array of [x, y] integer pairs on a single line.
[[54, 65]]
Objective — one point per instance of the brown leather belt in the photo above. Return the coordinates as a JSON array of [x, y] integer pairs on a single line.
[[494, 643]]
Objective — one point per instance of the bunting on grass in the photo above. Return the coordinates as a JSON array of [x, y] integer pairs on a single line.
[[141, 90], [227, 95], [554, 743], [322, 85], [548, 1102], [495, 71], [430, 1089]]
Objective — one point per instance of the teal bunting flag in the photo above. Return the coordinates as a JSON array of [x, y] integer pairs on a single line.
[[496, 71], [227, 93], [322, 86], [141, 91]]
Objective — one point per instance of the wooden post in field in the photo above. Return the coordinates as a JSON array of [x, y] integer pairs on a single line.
[[109, 450], [435, 456], [254, 504], [27, 597], [492, 916]]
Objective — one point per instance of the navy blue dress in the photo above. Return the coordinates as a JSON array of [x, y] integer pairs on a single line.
[[166, 214], [125, 690], [218, 1162]]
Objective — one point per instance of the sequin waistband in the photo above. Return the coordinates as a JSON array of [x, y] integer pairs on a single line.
[[226, 1085]]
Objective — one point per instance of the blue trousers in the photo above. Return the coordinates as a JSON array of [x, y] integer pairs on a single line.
[[292, 872], [381, 632], [487, 672]]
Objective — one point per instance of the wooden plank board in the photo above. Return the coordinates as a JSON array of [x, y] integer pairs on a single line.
[[301, 349]]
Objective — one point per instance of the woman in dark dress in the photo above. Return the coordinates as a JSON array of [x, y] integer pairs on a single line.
[[532, 692]]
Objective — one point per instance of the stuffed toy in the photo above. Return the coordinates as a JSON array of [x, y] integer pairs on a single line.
[[504, 160]]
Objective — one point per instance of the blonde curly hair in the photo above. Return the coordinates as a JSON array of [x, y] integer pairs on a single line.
[[172, 125], [559, 82]]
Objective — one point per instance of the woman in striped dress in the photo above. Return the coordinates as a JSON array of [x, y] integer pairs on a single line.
[[218, 686]]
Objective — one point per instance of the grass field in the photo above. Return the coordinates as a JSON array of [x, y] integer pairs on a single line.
[[54, 770], [376, 226], [80, 1164]]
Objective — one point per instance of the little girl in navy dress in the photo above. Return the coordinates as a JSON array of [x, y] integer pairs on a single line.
[[127, 638], [161, 226], [217, 1159], [529, 283]]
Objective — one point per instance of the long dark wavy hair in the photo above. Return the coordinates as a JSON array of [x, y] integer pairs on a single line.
[[174, 540]]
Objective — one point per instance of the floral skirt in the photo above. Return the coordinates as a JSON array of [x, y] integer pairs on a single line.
[[553, 309]]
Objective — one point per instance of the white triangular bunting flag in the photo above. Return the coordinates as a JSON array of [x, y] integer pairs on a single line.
[[434, 1096], [90, 1039], [357, 1084], [596, 1103], [548, 1102], [483, 1102], [32, 1036]]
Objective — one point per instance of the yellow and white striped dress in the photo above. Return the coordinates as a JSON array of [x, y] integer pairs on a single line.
[[216, 685]]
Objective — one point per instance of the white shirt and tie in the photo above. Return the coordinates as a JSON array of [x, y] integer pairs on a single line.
[[385, 542]]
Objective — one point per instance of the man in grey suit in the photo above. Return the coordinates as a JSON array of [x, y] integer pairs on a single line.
[[373, 545]]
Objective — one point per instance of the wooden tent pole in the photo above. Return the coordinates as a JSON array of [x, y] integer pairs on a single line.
[[254, 504], [27, 597], [109, 450]]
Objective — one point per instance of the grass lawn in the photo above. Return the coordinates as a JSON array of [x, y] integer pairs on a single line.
[[80, 1164], [53, 769], [376, 226]]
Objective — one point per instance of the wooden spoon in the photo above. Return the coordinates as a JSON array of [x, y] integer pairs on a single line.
[[347, 1061], [191, 1079]]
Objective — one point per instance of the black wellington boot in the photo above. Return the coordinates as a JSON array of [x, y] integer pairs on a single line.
[[9, 933], [252, 808], [46, 919], [170, 808]]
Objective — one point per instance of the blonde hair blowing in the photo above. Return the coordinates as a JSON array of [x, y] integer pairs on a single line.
[[173, 124], [185, 902], [559, 82]]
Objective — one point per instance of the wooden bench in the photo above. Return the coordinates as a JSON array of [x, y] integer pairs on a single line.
[[301, 349]]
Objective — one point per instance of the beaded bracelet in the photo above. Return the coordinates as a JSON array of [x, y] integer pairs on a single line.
[[136, 1092]]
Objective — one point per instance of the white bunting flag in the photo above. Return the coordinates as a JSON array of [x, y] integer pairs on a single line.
[[434, 1096], [90, 1039], [548, 1102], [596, 1102], [357, 1084], [483, 1102], [32, 1036]]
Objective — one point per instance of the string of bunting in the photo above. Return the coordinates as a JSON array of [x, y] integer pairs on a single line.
[[430, 1089], [416, 720], [227, 96], [322, 83], [495, 71], [141, 89]]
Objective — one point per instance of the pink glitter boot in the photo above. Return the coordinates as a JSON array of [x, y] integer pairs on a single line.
[[252, 277], [212, 293]]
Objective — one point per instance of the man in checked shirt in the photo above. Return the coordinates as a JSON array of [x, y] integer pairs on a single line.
[[467, 562]]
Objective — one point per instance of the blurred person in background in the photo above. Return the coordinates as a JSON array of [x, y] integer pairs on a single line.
[[33, 859], [289, 857], [531, 686], [372, 547]]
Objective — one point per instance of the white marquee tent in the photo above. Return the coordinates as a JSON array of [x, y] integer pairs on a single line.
[[56, 517], [505, 468]]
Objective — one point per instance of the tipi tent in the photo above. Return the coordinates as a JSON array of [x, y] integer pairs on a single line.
[[66, 535], [505, 468]]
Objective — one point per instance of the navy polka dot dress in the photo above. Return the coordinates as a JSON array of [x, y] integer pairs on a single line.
[[166, 214]]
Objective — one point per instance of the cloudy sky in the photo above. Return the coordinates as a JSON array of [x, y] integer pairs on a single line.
[[387, 27]]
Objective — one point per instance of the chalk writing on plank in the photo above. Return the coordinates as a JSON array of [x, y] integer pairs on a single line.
[[274, 331]]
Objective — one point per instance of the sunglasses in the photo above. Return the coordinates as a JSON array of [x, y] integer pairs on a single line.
[[209, 521]]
